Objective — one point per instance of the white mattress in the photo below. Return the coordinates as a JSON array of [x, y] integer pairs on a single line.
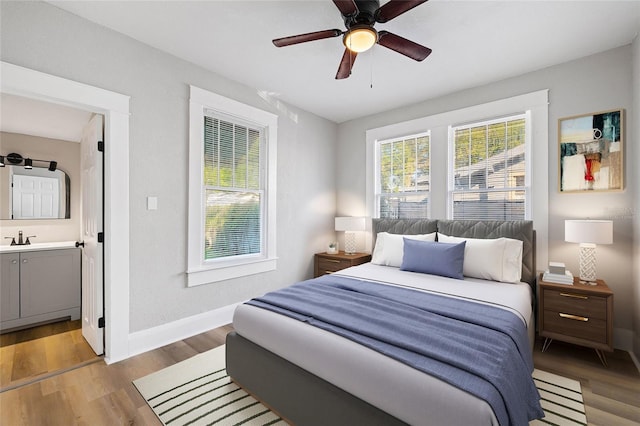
[[400, 390]]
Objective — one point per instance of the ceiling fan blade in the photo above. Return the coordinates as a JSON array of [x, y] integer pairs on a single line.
[[401, 45], [303, 38], [344, 70], [394, 8], [346, 7]]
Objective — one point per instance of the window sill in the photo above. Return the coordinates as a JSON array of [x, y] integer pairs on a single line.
[[207, 275]]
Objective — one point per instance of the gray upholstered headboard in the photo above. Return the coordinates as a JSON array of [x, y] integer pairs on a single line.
[[516, 229]]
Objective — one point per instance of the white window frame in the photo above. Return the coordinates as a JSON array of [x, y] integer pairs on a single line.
[[377, 160], [201, 271], [537, 102], [527, 155]]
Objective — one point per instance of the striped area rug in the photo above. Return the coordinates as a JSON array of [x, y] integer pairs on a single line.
[[198, 391], [561, 400]]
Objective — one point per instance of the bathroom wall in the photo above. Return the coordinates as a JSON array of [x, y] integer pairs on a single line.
[[67, 154]]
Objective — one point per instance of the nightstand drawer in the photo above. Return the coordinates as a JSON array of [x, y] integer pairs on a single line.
[[326, 263], [578, 326], [327, 266], [575, 303]]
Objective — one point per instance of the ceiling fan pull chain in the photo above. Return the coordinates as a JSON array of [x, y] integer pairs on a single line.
[[371, 75]]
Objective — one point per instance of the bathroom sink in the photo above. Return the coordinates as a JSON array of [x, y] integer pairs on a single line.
[[38, 246]]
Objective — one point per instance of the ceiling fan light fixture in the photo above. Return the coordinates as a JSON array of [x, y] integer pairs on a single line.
[[360, 38]]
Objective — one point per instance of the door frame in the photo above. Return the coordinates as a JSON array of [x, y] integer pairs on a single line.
[[25, 82]]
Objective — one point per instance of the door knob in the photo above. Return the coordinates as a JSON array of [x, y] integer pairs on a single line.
[[79, 244]]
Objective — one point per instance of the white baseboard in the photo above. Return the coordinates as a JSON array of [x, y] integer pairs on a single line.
[[153, 338]]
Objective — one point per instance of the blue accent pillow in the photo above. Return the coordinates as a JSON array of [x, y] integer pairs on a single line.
[[429, 257]]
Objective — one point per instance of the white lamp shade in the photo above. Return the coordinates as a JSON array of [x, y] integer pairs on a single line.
[[588, 231], [350, 223]]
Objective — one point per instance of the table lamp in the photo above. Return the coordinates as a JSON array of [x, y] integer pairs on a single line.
[[588, 233], [350, 225]]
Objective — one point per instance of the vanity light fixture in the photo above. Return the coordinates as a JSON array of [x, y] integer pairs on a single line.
[[17, 159]]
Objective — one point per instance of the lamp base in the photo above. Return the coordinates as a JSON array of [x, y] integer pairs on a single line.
[[349, 242], [588, 263]]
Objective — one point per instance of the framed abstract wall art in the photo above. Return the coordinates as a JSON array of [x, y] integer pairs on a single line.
[[591, 154]]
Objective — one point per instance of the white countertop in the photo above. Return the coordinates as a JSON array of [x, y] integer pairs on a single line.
[[38, 246]]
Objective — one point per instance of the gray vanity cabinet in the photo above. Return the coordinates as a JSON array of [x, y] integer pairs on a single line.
[[40, 286], [49, 281], [9, 286]]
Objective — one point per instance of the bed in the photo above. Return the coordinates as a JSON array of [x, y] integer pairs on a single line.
[[312, 376]]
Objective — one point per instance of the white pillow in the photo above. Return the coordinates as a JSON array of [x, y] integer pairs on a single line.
[[389, 248], [497, 259]]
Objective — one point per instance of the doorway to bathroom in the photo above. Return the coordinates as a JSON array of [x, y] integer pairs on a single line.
[[114, 107], [55, 306]]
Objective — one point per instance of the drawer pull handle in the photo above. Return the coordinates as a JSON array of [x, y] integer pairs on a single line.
[[575, 296], [574, 317], [332, 260]]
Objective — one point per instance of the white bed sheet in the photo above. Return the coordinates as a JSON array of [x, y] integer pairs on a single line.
[[400, 390], [514, 297]]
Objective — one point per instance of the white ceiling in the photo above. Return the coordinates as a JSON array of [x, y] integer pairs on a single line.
[[474, 43]]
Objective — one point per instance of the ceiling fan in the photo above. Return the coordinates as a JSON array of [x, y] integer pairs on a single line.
[[359, 18]]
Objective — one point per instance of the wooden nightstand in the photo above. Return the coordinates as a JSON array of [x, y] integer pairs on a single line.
[[580, 314], [325, 263]]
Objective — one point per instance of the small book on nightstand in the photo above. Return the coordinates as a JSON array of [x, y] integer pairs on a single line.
[[566, 278]]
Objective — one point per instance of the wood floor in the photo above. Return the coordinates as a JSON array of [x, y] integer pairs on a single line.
[[100, 394], [611, 394], [37, 352]]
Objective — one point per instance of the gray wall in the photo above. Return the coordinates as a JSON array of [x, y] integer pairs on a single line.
[[42, 37], [591, 84]]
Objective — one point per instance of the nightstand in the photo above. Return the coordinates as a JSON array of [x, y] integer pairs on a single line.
[[325, 263], [580, 314]]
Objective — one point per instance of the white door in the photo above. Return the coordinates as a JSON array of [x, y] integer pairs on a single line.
[[34, 197], [92, 253]]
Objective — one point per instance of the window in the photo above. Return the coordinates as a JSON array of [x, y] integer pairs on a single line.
[[402, 177], [488, 170], [231, 189]]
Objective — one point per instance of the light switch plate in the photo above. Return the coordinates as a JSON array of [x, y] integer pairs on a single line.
[[152, 203]]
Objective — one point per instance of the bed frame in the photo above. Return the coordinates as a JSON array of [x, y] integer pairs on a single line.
[[302, 398]]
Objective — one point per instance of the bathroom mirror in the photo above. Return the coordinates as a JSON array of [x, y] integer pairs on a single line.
[[36, 193]]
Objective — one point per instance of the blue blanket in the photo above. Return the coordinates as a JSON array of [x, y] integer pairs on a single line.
[[478, 348]]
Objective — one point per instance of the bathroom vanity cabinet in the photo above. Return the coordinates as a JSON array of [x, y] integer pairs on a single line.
[[39, 286]]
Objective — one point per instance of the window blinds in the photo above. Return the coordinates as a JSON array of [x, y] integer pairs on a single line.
[[489, 170], [403, 178], [233, 188]]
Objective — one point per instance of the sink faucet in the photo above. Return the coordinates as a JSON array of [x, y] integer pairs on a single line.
[[20, 242]]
